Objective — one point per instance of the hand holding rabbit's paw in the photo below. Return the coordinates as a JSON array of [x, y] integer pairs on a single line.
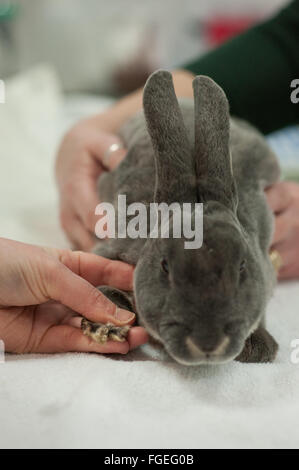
[[55, 289], [260, 346], [101, 333]]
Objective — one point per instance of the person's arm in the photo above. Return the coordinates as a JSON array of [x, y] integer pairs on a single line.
[[255, 69]]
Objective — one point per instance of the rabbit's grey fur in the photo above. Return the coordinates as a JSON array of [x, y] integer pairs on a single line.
[[210, 307]]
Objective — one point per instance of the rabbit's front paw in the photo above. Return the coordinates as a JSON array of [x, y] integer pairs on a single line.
[[101, 333], [260, 346]]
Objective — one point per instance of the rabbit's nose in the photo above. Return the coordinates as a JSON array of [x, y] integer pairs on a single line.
[[207, 348]]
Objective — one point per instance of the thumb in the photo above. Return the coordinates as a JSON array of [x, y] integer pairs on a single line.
[[76, 293]]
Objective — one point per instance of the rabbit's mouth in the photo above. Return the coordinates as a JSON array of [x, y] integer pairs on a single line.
[[187, 349], [197, 356]]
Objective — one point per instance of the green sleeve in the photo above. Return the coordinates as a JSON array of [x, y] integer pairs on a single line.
[[255, 70]]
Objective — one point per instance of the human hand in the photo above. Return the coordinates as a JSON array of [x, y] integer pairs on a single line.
[[43, 292], [283, 198], [80, 162]]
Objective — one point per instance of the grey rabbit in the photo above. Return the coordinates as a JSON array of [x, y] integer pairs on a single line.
[[205, 305]]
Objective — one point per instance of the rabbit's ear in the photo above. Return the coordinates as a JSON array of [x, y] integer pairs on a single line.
[[172, 149], [212, 154]]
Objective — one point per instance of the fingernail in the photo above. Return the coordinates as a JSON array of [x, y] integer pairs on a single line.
[[124, 316]]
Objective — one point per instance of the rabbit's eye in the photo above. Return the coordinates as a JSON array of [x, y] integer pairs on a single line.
[[164, 266], [242, 266]]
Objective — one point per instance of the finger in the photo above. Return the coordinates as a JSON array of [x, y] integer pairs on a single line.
[[75, 230], [114, 158], [64, 338], [74, 321], [288, 251], [96, 269], [87, 187], [87, 200], [61, 284], [137, 336], [100, 146], [291, 271], [84, 185], [278, 197], [283, 227]]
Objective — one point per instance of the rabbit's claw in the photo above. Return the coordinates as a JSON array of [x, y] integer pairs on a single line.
[[101, 332], [260, 346]]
